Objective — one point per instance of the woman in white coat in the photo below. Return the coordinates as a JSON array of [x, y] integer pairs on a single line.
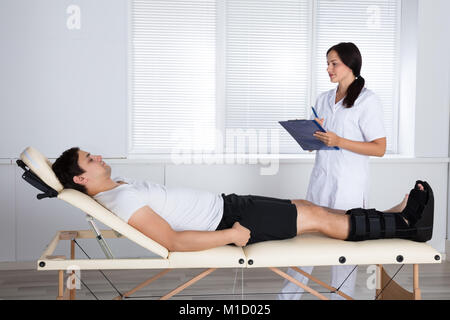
[[352, 115]]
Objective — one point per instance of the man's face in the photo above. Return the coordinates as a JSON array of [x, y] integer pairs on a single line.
[[93, 166]]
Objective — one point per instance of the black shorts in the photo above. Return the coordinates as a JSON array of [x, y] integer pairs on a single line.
[[266, 218]]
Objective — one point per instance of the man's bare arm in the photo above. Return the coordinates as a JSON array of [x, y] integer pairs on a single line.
[[153, 226]]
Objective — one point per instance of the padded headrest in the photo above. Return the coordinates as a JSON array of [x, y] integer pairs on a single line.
[[42, 167]]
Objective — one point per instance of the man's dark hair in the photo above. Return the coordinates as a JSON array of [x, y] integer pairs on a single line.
[[66, 167]]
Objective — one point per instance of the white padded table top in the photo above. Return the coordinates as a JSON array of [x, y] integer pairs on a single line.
[[220, 257], [319, 250]]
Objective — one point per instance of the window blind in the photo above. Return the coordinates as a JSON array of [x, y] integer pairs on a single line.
[[267, 65], [172, 75], [274, 66], [374, 26]]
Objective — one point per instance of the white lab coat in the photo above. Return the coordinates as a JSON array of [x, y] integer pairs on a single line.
[[340, 178]]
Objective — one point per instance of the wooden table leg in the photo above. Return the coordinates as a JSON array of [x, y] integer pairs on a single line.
[[73, 280], [417, 293], [60, 285]]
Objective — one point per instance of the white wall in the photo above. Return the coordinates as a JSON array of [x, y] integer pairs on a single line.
[[49, 73], [62, 87], [433, 81], [7, 213], [432, 96]]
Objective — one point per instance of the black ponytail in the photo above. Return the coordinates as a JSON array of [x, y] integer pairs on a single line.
[[353, 92], [351, 56]]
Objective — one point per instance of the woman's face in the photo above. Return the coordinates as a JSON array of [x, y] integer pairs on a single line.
[[337, 70]]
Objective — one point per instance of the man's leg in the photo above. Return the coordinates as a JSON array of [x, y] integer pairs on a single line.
[[335, 218], [312, 218], [415, 222], [398, 208], [339, 275]]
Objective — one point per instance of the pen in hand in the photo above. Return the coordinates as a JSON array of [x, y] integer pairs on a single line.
[[315, 113], [321, 121]]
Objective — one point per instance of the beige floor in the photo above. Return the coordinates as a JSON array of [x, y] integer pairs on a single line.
[[224, 284]]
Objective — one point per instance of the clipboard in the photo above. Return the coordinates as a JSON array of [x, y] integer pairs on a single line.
[[303, 132]]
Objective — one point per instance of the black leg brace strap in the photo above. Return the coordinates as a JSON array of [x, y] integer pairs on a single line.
[[370, 224], [374, 224], [389, 225]]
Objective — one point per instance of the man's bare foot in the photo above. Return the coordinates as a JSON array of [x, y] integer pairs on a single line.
[[402, 205]]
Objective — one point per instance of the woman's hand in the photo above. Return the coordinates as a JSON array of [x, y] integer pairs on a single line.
[[241, 235], [321, 121], [330, 139]]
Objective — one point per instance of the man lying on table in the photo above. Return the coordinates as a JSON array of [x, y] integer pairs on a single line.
[[183, 219]]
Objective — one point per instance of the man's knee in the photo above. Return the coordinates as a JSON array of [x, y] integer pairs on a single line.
[[310, 218]]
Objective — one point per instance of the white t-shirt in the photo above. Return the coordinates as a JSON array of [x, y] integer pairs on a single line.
[[182, 208]]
